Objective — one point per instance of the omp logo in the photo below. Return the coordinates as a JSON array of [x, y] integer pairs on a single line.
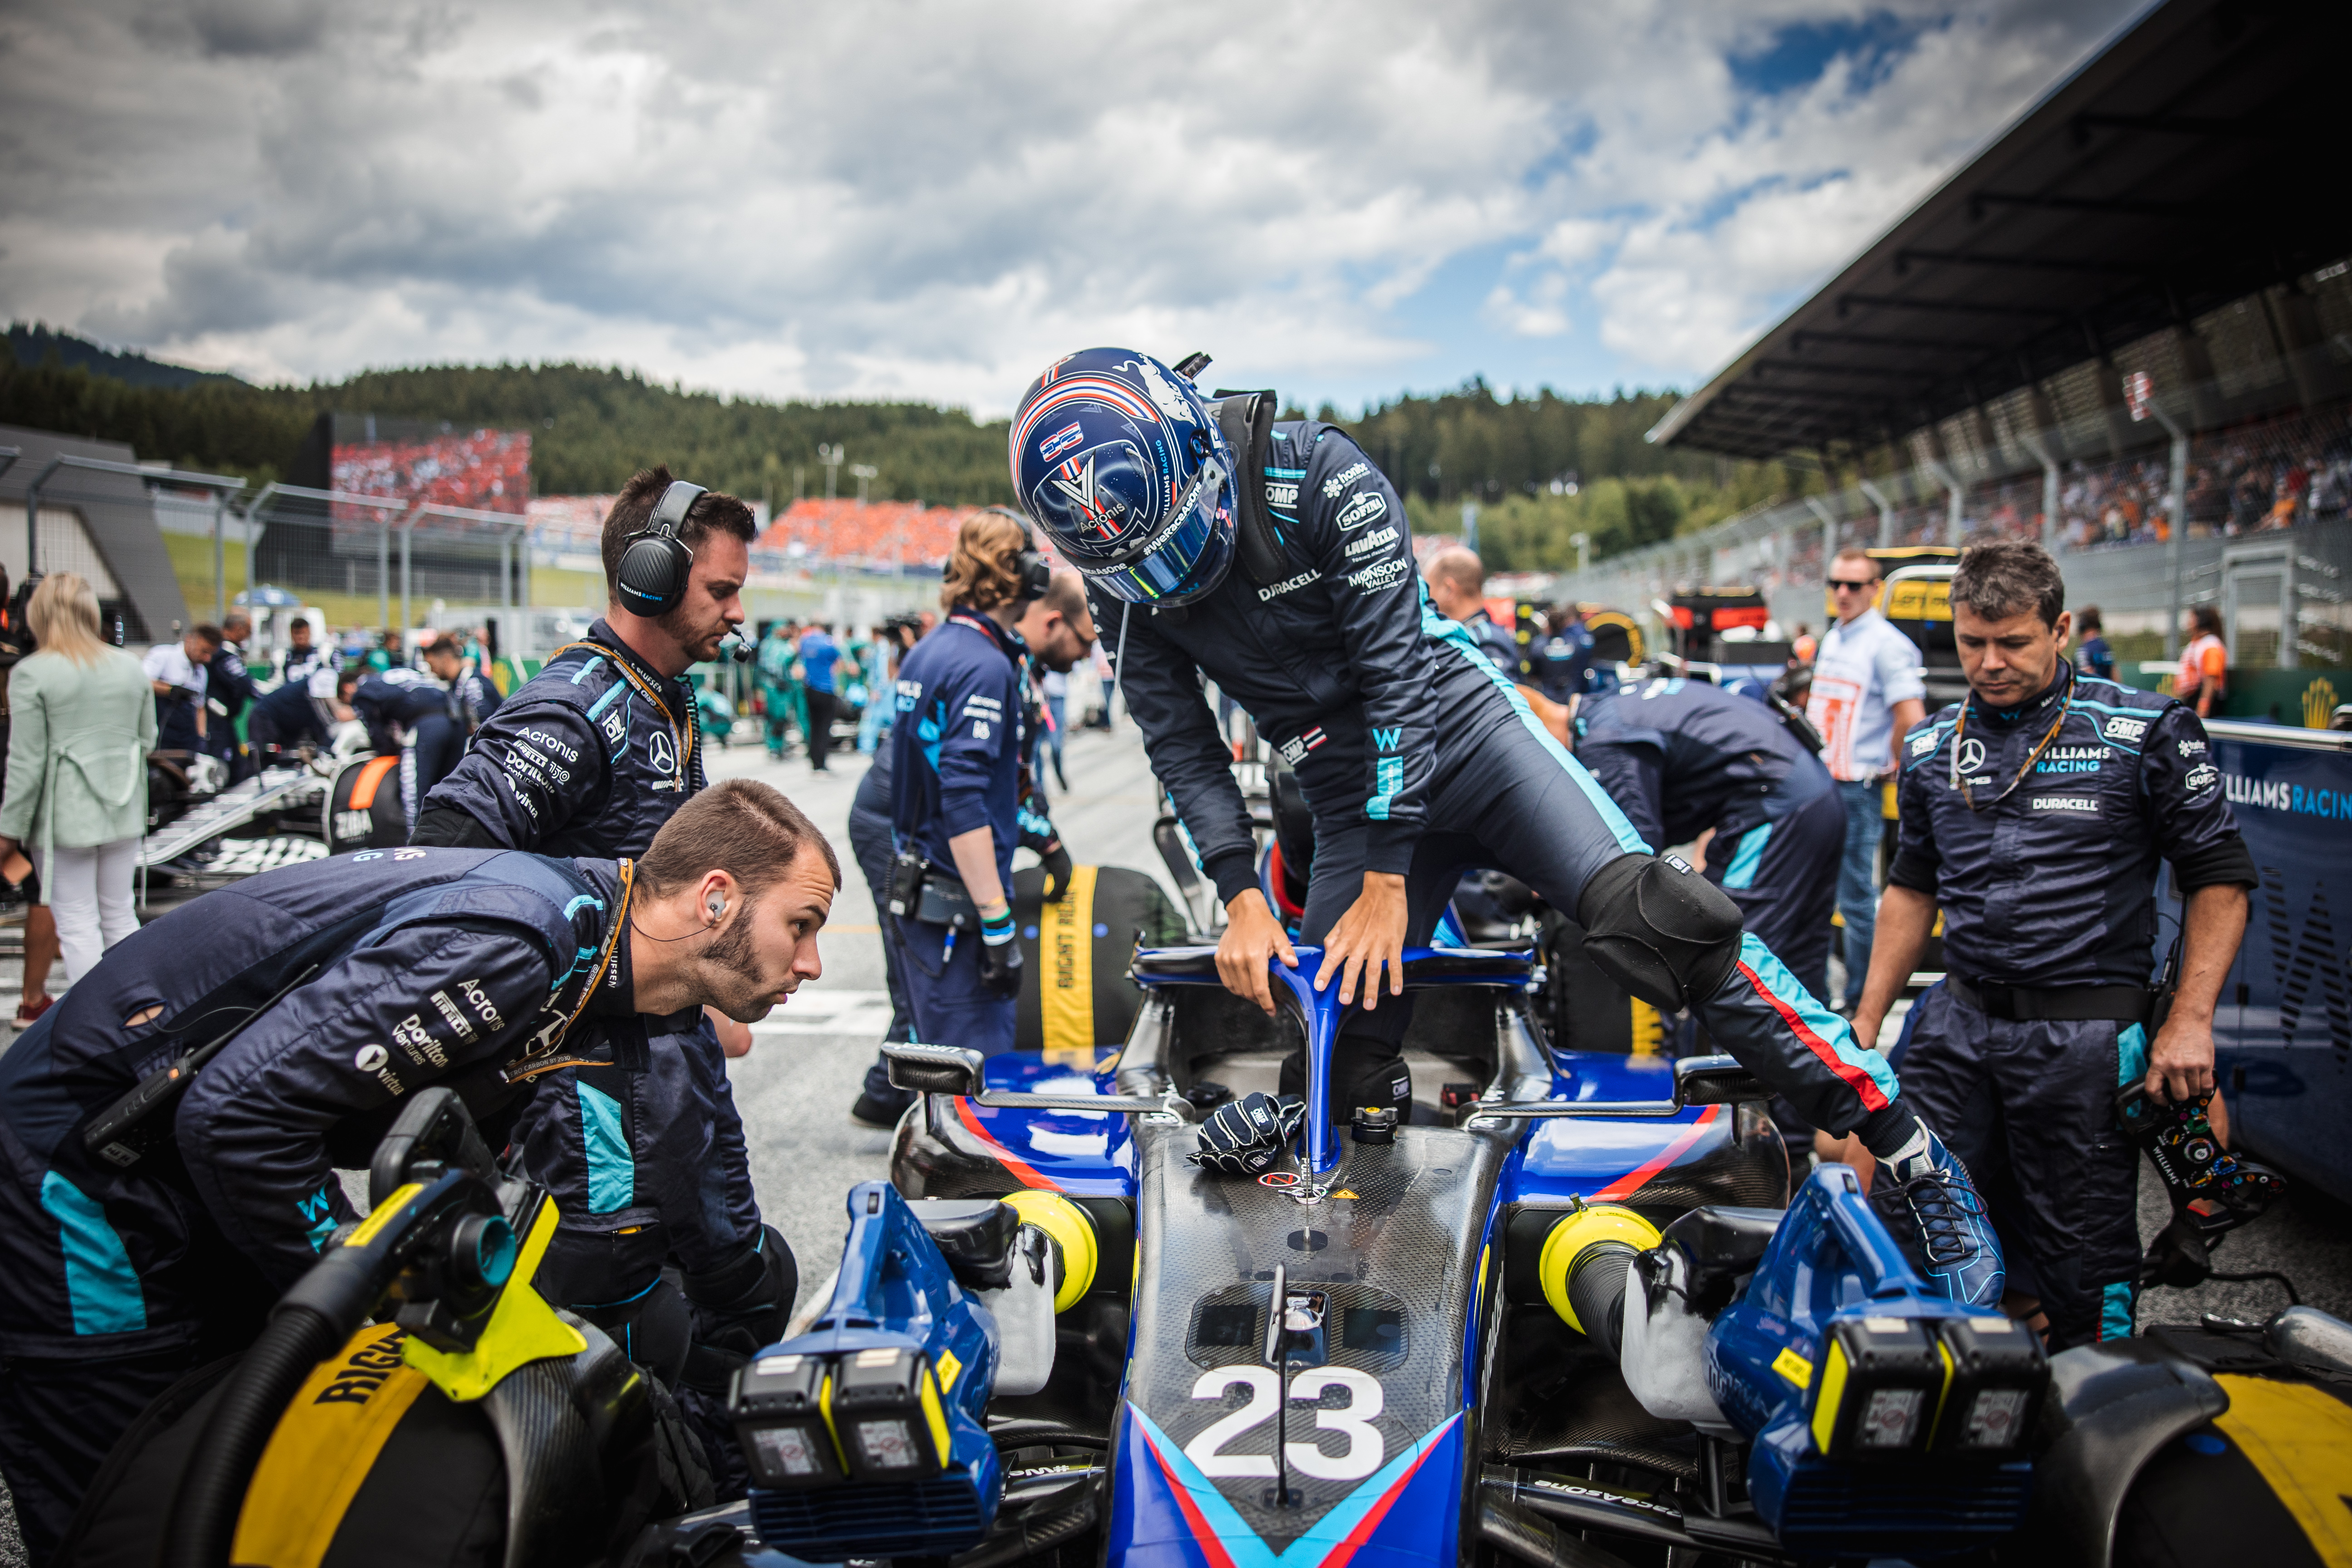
[[1060, 441], [1288, 585], [1281, 494], [2121, 728], [1366, 507], [1343, 479], [2065, 803], [1371, 541], [1923, 744], [1379, 576], [1389, 738], [1294, 750]]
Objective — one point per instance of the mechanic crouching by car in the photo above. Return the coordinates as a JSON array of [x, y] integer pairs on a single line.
[[133, 1254], [955, 753], [306, 711], [1275, 560], [593, 755], [1057, 632], [2033, 815]]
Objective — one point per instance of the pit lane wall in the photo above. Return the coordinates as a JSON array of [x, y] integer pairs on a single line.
[[2283, 1031]]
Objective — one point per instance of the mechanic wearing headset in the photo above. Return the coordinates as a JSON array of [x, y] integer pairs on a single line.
[[2033, 815], [352, 983], [591, 756], [956, 755], [1681, 758], [1275, 560], [1057, 632]]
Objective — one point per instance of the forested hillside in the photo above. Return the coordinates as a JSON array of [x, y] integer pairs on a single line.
[[1542, 468]]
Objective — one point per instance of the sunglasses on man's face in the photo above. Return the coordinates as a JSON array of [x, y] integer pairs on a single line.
[[1861, 587]]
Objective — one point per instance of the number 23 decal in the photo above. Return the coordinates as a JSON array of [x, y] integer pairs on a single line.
[[1353, 1420]]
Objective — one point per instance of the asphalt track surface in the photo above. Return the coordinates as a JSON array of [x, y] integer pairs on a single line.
[[795, 1088]]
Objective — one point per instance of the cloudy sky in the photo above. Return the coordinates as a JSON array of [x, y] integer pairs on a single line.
[[929, 200]]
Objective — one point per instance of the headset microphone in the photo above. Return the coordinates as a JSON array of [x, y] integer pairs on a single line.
[[733, 646]]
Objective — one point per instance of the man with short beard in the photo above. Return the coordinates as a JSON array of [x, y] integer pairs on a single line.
[[592, 756], [130, 1258]]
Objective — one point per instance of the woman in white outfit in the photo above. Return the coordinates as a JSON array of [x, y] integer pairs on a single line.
[[84, 720]]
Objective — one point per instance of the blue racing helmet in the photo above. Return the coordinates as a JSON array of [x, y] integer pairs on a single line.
[[1119, 459]]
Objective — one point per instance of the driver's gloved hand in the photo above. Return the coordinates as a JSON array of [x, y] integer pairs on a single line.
[[1245, 1137], [1000, 955]]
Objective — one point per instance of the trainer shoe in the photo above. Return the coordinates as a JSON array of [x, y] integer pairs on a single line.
[[1947, 1237], [877, 1113]]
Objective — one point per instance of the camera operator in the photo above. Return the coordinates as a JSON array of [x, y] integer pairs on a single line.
[[2034, 814], [955, 753]]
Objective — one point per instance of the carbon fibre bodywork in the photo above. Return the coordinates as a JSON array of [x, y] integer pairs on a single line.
[[1443, 1358]]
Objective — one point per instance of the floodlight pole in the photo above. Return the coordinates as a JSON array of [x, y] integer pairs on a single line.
[[2177, 502], [863, 472], [1877, 498]]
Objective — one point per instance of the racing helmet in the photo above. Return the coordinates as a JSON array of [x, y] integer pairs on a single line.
[[1119, 459]]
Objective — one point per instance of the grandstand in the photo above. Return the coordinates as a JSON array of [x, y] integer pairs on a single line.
[[2125, 327]]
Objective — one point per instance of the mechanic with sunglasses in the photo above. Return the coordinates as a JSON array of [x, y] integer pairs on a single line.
[[1271, 557], [2034, 816], [1869, 688]]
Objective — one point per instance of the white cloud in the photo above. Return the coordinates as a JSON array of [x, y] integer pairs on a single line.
[[927, 199]]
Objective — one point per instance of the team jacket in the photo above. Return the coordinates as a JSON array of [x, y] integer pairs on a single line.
[[435, 967], [1682, 756], [1335, 655], [2053, 885], [395, 699], [1498, 643], [292, 714], [956, 739], [590, 756]]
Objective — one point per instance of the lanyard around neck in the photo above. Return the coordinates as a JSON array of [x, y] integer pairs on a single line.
[[685, 738], [564, 1012], [1961, 728]]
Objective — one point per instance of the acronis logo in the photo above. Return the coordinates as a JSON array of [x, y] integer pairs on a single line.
[[1060, 441]]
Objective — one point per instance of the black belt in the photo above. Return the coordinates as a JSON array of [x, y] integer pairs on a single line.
[[2067, 1003]]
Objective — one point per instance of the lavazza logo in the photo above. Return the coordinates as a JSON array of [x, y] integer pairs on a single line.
[[1371, 541]]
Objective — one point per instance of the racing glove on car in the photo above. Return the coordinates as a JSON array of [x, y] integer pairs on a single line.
[[1245, 1137], [1000, 955]]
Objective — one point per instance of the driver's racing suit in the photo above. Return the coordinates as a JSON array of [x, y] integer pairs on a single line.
[[1418, 757]]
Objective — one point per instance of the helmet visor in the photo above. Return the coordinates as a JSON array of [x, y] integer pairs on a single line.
[[1185, 559]]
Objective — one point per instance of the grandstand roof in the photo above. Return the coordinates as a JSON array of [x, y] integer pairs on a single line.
[[2164, 178]]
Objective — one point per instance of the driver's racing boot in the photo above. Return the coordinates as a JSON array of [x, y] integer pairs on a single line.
[[1938, 1219]]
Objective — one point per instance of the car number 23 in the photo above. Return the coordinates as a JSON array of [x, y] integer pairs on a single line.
[[1353, 1421]]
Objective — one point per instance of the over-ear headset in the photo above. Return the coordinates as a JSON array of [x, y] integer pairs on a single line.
[[1030, 568], [656, 564]]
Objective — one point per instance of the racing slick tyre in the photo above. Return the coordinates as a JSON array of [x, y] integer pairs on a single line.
[[364, 809], [1077, 949]]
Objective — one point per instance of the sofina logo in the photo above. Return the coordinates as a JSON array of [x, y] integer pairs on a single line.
[[2319, 700]]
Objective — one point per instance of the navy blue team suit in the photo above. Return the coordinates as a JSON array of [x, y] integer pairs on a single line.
[[956, 751], [1680, 757], [435, 967], [2049, 922], [286, 718], [1418, 757], [649, 1168], [230, 684]]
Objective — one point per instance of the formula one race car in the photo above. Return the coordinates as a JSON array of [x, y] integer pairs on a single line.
[[1585, 1324]]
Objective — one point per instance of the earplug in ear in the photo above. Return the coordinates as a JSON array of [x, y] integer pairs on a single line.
[[717, 907]]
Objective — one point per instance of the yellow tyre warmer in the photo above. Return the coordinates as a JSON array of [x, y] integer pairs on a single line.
[[325, 1445], [1071, 1231], [1075, 993], [1571, 1237]]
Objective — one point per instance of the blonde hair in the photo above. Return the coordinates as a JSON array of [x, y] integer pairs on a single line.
[[63, 613], [981, 572]]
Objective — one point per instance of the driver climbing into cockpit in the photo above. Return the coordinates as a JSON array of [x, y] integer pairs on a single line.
[[1416, 755]]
